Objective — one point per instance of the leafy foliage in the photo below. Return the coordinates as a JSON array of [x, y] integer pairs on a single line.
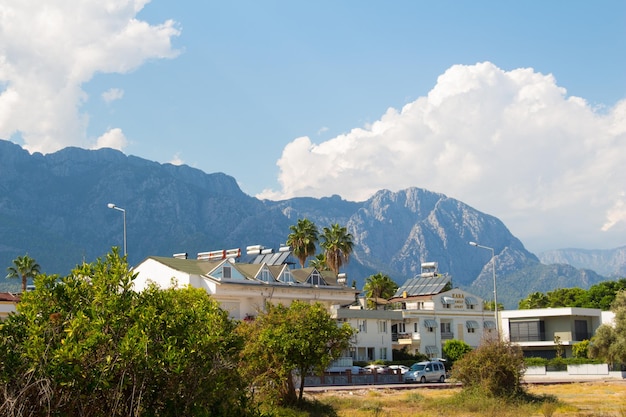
[[495, 369], [285, 341], [88, 345], [599, 296], [453, 350], [609, 343], [581, 349]]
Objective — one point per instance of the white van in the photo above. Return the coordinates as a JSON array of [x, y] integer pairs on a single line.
[[428, 371]]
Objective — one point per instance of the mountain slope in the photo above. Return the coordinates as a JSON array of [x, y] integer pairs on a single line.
[[54, 208]]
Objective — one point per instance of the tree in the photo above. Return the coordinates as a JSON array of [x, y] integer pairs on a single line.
[[319, 262], [453, 350], [285, 341], [566, 297], [338, 246], [302, 239], [489, 305], [534, 300], [24, 267], [495, 369], [609, 342], [379, 286], [88, 345]]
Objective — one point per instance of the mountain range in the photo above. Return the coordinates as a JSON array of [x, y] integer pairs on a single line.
[[54, 208]]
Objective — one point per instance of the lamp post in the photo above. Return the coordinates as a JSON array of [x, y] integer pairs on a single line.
[[495, 292], [114, 207]]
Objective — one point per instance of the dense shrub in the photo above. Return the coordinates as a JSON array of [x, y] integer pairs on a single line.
[[495, 369]]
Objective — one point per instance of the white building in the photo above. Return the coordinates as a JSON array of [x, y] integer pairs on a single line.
[[538, 331], [432, 312], [243, 288]]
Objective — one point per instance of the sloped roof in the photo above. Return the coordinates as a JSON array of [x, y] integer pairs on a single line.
[[7, 296], [423, 285], [189, 266]]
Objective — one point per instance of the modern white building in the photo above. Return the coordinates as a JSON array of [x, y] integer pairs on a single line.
[[539, 331]]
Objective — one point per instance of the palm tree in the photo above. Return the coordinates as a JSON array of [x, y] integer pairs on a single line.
[[302, 239], [379, 286], [319, 262], [337, 246], [23, 267]]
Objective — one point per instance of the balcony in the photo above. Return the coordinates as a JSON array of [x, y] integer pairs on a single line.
[[405, 338], [447, 335]]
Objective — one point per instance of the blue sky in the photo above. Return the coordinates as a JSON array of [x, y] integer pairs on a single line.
[[516, 108]]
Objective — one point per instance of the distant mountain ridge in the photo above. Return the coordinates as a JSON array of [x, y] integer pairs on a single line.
[[609, 262], [54, 208]]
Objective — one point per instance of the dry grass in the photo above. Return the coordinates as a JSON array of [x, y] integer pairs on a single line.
[[592, 399]]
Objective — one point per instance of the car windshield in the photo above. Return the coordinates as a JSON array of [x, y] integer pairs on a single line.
[[417, 367]]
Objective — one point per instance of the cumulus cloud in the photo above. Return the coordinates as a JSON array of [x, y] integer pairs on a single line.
[[48, 51], [177, 160], [112, 94], [113, 138], [510, 143]]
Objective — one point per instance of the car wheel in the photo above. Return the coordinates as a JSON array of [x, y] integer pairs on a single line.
[[423, 379], [442, 379]]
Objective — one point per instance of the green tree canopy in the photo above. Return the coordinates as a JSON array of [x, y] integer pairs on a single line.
[[285, 341], [453, 350], [599, 295], [319, 262], [379, 286], [303, 239], [609, 342], [534, 300], [88, 345], [337, 244], [23, 267]]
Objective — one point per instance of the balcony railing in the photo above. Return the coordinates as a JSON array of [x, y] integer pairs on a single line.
[[447, 335]]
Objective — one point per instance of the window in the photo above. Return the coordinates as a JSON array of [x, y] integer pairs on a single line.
[[382, 326], [420, 305], [580, 330], [383, 353], [527, 331], [362, 326], [430, 325], [416, 327], [401, 328], [471, 326], [226, 272], [316, 279]]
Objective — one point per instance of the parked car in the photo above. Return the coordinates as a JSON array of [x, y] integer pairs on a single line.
[[427, 371], [403, 369], [380, 369]]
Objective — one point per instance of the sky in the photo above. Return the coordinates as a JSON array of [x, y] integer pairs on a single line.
[[515, 108]]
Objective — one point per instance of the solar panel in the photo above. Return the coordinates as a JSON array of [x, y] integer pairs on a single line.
[[423, 285]]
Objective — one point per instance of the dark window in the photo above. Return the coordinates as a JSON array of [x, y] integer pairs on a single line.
[[527, 331], [580, 328]]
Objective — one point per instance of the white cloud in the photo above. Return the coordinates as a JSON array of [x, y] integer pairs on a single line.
[[113, 138], [112, 94], [177, 160], [47, 51], [510, 143]]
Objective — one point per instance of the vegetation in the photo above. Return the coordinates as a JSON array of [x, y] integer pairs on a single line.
[[599, 296], [379, 286], [337, 244], [495, 368], [88, 345], [319, 262], [593, 399], [24, 267], [303, 239], [453, 350], [609, 343], [285, 341]]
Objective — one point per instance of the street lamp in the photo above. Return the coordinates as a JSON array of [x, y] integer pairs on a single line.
[[114, 207], [495, 292]]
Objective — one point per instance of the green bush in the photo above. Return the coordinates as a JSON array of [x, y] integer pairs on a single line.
[[535, 361], [495, 369]]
